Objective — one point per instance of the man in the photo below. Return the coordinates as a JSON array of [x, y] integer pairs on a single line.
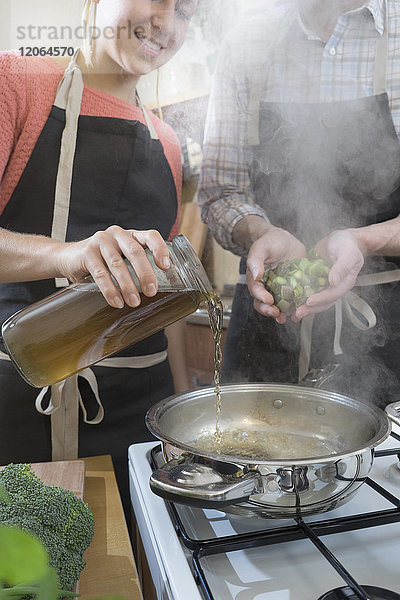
[[301, 140]]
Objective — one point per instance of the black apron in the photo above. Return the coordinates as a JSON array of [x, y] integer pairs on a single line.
[[316, 168], [120, 176]]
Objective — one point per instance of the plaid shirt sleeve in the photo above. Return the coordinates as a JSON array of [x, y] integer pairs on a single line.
[[225, 194]]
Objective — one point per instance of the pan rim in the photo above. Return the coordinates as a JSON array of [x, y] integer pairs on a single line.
[[156, 412]]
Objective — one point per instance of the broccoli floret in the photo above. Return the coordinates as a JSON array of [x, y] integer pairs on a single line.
[[65, 513], [70, 565], [34, 525], [63, 522], [20, 481]]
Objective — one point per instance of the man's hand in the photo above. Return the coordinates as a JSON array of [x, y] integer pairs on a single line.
[[342, 251], [274, 246], [101, 256]]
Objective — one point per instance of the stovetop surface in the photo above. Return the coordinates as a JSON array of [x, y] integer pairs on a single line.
[[293, 570]]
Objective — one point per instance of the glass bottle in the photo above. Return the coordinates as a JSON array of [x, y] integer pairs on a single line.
[[75, 327]]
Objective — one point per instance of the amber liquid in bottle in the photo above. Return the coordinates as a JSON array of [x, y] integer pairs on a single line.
[[53, 342]]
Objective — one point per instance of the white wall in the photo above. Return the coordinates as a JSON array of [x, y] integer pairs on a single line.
[[27, 23]]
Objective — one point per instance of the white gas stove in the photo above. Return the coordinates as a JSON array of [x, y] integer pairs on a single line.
[[218, 555]]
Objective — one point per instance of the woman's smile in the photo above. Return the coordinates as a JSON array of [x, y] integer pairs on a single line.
[[150, 45]]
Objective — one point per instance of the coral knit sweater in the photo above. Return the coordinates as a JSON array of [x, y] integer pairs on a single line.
[[28, 87]]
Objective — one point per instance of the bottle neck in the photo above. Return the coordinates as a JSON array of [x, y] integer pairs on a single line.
[[190, 267]]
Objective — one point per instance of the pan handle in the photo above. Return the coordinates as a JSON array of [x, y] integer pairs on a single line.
[[393, 412], [316, 378], [202, 486]]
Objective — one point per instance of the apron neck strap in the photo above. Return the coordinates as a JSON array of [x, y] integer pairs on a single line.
[[147, 118], [381, 54], [253, 123], [61, 100], [69, 98]]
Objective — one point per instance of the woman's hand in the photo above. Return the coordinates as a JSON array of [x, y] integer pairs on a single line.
[[274, 246], [101, 256], [342, 251]]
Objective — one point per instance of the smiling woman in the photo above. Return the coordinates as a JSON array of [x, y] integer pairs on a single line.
[[132, 38], [89, 176], [157, 27]]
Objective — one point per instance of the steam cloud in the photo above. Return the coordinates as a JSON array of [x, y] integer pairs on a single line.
[[325, 167]]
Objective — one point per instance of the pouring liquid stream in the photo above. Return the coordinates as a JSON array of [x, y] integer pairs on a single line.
[[215, 315]]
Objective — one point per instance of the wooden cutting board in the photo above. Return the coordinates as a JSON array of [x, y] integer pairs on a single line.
[[68, 474]]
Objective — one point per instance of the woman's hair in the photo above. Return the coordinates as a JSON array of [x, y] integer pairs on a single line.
[[89, 25]]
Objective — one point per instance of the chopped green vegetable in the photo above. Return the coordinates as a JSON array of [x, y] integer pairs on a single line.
[[280, 280], [293, 281], [283, 305], [61, 521]]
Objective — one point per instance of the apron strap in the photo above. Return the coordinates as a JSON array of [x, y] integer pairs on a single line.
[[134, 362], [64, 413], [354, 306], [65, 399], [305, 345], [381, 54], [69, 98], [253, 126], [253, 123], [147, 118], [337, 349]]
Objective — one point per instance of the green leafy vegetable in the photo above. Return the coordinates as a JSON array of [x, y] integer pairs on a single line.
[[23, 558]]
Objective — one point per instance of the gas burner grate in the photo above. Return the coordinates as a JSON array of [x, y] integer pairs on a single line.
[[289, 532], [373, 593], [202, 548]]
